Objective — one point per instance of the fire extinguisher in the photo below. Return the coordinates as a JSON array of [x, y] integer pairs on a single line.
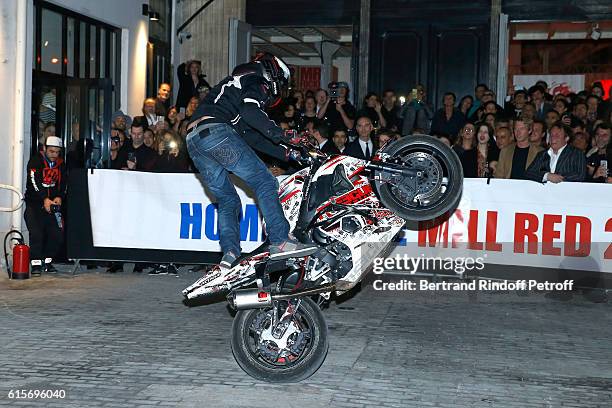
[[21, 257]]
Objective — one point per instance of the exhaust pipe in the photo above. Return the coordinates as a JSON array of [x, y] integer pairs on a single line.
[[258, 299]]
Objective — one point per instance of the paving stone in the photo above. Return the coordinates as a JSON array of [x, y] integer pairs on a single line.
[[127, 340]]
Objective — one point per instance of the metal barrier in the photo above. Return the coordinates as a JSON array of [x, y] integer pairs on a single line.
[[16, 191]]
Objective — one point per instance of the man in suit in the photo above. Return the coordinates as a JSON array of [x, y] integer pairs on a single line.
[[561, 162], [515, 158], [362, 147], [340, 138], [537, 93], [320, 132]]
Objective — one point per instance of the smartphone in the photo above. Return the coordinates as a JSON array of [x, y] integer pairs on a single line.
[[182, 110], [160, 119], [604, 164], [132, 157], [402, 100], [414, 93]]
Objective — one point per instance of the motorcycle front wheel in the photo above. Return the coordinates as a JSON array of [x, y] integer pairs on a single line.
[[434, 192], [281, 356]]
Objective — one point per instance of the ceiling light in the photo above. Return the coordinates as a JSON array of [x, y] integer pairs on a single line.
[[147, 11], [54, 60]]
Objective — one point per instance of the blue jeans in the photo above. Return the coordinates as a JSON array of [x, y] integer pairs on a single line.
[[223, 151]]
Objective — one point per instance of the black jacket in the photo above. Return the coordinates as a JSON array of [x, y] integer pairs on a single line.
[[330, 148], [167, 163], [239, 101], [571, 164], [354, 149], [187, 89], [145, 156], [45, 180]]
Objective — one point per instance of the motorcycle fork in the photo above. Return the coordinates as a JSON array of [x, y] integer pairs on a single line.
[[280, 325]]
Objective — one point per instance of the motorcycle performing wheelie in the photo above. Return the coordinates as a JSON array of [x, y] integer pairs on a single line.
[[352, 210]]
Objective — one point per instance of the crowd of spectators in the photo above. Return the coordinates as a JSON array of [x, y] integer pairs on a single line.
[[535, 135]]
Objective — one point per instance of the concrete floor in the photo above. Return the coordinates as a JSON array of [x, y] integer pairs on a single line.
[[126, 340]]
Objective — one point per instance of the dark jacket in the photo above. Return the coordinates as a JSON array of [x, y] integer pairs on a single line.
[[571, 164], [239, 102], [145, 156], [187, 89], [330, 148], [450, 128], [354, 149], [167, 163], [161, 107], [45, 180], [416, 116]]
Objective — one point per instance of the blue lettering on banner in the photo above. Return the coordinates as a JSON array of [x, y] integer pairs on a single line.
[[249, 223], [211, 222], [191, 220]]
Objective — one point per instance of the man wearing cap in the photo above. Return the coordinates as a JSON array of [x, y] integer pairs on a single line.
[[45, 192]]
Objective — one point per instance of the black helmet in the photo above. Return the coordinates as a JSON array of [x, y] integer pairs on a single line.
[[276, 72]]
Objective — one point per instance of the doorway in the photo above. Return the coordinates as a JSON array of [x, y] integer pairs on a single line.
[[75, 110]]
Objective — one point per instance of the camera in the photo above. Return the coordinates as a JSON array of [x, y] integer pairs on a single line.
[[116, 139], [184, 35], [170, 144], [334, 89], [56, 208]]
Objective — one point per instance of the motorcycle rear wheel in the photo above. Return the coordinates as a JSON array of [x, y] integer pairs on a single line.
[[244, 346], [440, 166]]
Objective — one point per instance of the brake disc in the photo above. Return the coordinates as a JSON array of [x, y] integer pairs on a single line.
[[424, 186], [292, 339]]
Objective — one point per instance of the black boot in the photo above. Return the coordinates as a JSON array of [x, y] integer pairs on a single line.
[[36, 270], [49, 268], [159, 270], [172, 270], [115, 267]]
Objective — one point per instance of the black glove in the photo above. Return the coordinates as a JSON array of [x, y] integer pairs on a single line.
[[293, 155]]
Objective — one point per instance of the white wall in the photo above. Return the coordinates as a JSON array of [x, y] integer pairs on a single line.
[[125, 14], [209, 31], [11, 95]]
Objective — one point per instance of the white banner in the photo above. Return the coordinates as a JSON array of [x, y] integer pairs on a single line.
[[556, 83], [513, 222]]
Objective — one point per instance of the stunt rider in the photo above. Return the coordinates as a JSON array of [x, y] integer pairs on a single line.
[[232, 113]]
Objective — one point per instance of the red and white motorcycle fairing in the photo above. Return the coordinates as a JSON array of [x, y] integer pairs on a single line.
[[365, 241]]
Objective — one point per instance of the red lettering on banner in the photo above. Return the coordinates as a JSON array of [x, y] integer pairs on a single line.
[[457, 234], [473, 231], [525, 226], [584, 242], [549, 234], [491, 234], [432, 232], [608, 253]]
